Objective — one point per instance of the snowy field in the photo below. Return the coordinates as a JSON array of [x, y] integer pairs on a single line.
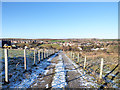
[[28, 78]]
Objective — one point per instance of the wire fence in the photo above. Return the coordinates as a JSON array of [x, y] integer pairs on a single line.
[[105, 71], [15, 62]]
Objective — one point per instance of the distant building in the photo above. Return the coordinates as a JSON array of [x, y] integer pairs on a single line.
[[5, 43], [14, 46], [79, 48], [26, 47], [95, 49]]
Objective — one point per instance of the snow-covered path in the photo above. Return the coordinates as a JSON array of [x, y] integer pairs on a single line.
[[59, 78], [58, 71], [77, 78]]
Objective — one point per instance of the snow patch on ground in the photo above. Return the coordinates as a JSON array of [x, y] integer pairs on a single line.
[[28, 81], [85, 79], [59, 78], [46, 71], [46, 85]]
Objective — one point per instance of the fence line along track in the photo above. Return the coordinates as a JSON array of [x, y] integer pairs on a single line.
[[15, 62], [98, 68]]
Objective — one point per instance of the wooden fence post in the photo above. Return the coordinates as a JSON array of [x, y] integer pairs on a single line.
[[78, 58], [53, 51], [44, 54], [85, 62], [25, 62], [6, 64], [50, 52], [39, 55], [34, 56], [71, 54], [47, 54], [25, 66], [101, 68]]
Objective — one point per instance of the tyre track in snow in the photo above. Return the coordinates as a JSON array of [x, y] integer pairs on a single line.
[[54, 77], [76, 77], [73, 76], [47, 76], [44, 80], [59, 80]]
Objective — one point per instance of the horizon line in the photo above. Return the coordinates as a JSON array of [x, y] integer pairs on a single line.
[[59, 38]]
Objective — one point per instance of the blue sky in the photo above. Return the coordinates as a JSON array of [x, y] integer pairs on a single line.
[[60, 20]]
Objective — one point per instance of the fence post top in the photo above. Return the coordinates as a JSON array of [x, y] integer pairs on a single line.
[[5, 48], [101, 58]]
